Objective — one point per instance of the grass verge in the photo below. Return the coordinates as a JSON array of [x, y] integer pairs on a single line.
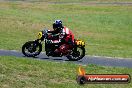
[[31, 73]]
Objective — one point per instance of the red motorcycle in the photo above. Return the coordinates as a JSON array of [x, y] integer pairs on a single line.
[[33, 48]]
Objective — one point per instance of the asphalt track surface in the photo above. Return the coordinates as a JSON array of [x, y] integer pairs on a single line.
[[103, 61]]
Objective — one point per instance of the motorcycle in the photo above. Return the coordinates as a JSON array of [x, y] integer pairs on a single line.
[[34, 48]]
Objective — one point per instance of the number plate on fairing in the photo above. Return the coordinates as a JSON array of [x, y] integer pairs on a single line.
[[39, 35], [80, 43]]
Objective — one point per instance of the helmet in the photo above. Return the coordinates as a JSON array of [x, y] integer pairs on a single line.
[[57, 25]]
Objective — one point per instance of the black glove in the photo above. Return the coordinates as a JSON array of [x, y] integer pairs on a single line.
[[45, 33]]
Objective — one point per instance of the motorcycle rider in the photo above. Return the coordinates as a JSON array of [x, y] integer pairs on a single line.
[[66, 37]]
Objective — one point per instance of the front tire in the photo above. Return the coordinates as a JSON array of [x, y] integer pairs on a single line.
[[75, 56], [31, 47]]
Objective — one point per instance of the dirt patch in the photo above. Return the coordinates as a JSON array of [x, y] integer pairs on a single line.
[[107, 3], [94, 3], [91, 3]]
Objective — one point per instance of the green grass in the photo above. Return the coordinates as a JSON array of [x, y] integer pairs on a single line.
[[105, 29], [70, 1], [31, 73]]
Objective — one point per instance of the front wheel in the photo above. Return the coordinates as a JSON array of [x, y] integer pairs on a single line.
[[77, 54], [31, 48]]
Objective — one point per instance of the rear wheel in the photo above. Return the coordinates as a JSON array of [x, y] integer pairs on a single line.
[[77, 54], [31, 49]]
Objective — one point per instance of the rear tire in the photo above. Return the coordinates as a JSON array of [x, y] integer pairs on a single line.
[[74, 57], [31, 46]]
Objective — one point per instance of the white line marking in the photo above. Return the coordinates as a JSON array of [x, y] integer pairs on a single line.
[[107, 57]]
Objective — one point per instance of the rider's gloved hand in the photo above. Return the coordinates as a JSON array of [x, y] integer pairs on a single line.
[[45, 33]]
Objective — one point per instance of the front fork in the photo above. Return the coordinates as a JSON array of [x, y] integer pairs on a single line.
[[36, 43]]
